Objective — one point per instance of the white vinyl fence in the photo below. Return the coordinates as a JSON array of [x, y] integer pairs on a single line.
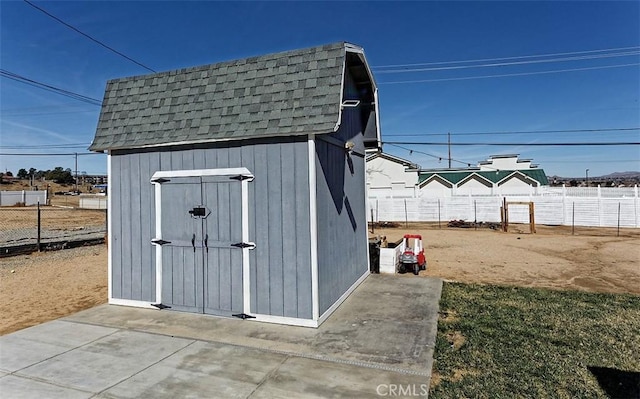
[[93, 202], [28, 198], [596, 207]]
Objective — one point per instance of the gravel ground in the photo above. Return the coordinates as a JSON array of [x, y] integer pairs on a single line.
[[23, 236]]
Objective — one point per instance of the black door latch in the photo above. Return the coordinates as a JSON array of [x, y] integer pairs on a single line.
[[198, 212]]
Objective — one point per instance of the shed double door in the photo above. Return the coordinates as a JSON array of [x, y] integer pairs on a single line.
[[202, 255]]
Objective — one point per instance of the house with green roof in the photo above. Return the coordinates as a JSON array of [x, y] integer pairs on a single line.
[[499, 175]]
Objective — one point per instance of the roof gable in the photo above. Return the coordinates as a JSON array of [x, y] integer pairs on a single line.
[[496, 176], [393, 158], [282, 94]]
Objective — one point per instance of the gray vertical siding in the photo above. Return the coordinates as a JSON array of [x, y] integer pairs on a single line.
[[342, 225], [133, 226], [278, 219]]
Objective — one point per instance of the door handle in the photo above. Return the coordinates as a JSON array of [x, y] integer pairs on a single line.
[[206, 241], [193, 242]]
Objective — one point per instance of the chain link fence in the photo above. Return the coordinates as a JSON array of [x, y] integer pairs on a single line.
[[32, 228]]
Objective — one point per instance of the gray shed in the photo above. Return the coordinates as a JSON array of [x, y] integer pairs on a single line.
[[238, 188]]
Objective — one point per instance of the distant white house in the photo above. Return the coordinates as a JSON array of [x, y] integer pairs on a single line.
[[499, 175], [506, 162], [389, 176]]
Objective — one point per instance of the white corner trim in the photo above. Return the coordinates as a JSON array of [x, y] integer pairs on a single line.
[[313, 227], [377, 110], [131, 302], [109, 230], [344, 296], [292, 321]]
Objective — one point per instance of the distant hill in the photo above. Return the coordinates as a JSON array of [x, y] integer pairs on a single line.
[[610, 176], [621, 175]]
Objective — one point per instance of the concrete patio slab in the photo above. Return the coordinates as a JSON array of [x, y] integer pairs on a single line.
[[24, 388], [382, 336], [17, 353], [57, 332], [310, 378], [388, 320], [104, 363]]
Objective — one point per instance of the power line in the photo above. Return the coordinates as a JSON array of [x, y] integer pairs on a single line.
[[514, 144], [34, 83], [590, 161], [5, 113], [87, 36], [624, 129], [504, 58], [500, 64], [507, 74], [469, 164], [439, 158], [20, 147]]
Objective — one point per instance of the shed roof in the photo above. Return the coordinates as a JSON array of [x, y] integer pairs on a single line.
[[283, 94]]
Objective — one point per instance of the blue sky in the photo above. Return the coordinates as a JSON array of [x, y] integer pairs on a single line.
[[169, 35]]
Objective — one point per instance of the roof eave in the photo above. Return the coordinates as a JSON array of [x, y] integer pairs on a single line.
[[99, 148]]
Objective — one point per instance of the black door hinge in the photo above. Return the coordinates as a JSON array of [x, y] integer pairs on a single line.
[[160, 180], [243, 316], [243, 245], [160, 241], [160, 306], [241, 177]]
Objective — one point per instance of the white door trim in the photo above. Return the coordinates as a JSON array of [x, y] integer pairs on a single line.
[[247, 177]]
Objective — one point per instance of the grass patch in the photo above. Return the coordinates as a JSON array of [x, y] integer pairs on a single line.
[[506, 342]]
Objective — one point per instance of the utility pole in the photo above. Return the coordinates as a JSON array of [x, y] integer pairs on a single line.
[[449, 145], [76, 180], [586, 172]]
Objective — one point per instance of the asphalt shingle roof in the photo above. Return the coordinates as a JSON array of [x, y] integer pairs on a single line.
[[282, 94]]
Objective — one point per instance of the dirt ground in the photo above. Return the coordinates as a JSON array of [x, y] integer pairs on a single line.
[[45, 286], [51, 217], [593, 259]]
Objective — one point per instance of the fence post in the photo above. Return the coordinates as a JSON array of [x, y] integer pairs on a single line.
[[39, 224], [564, 205], [106, 220], [599, 207], [372, 222], [406, 221], [635, 205], [573, 218], [618, 218], [475, 214]]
